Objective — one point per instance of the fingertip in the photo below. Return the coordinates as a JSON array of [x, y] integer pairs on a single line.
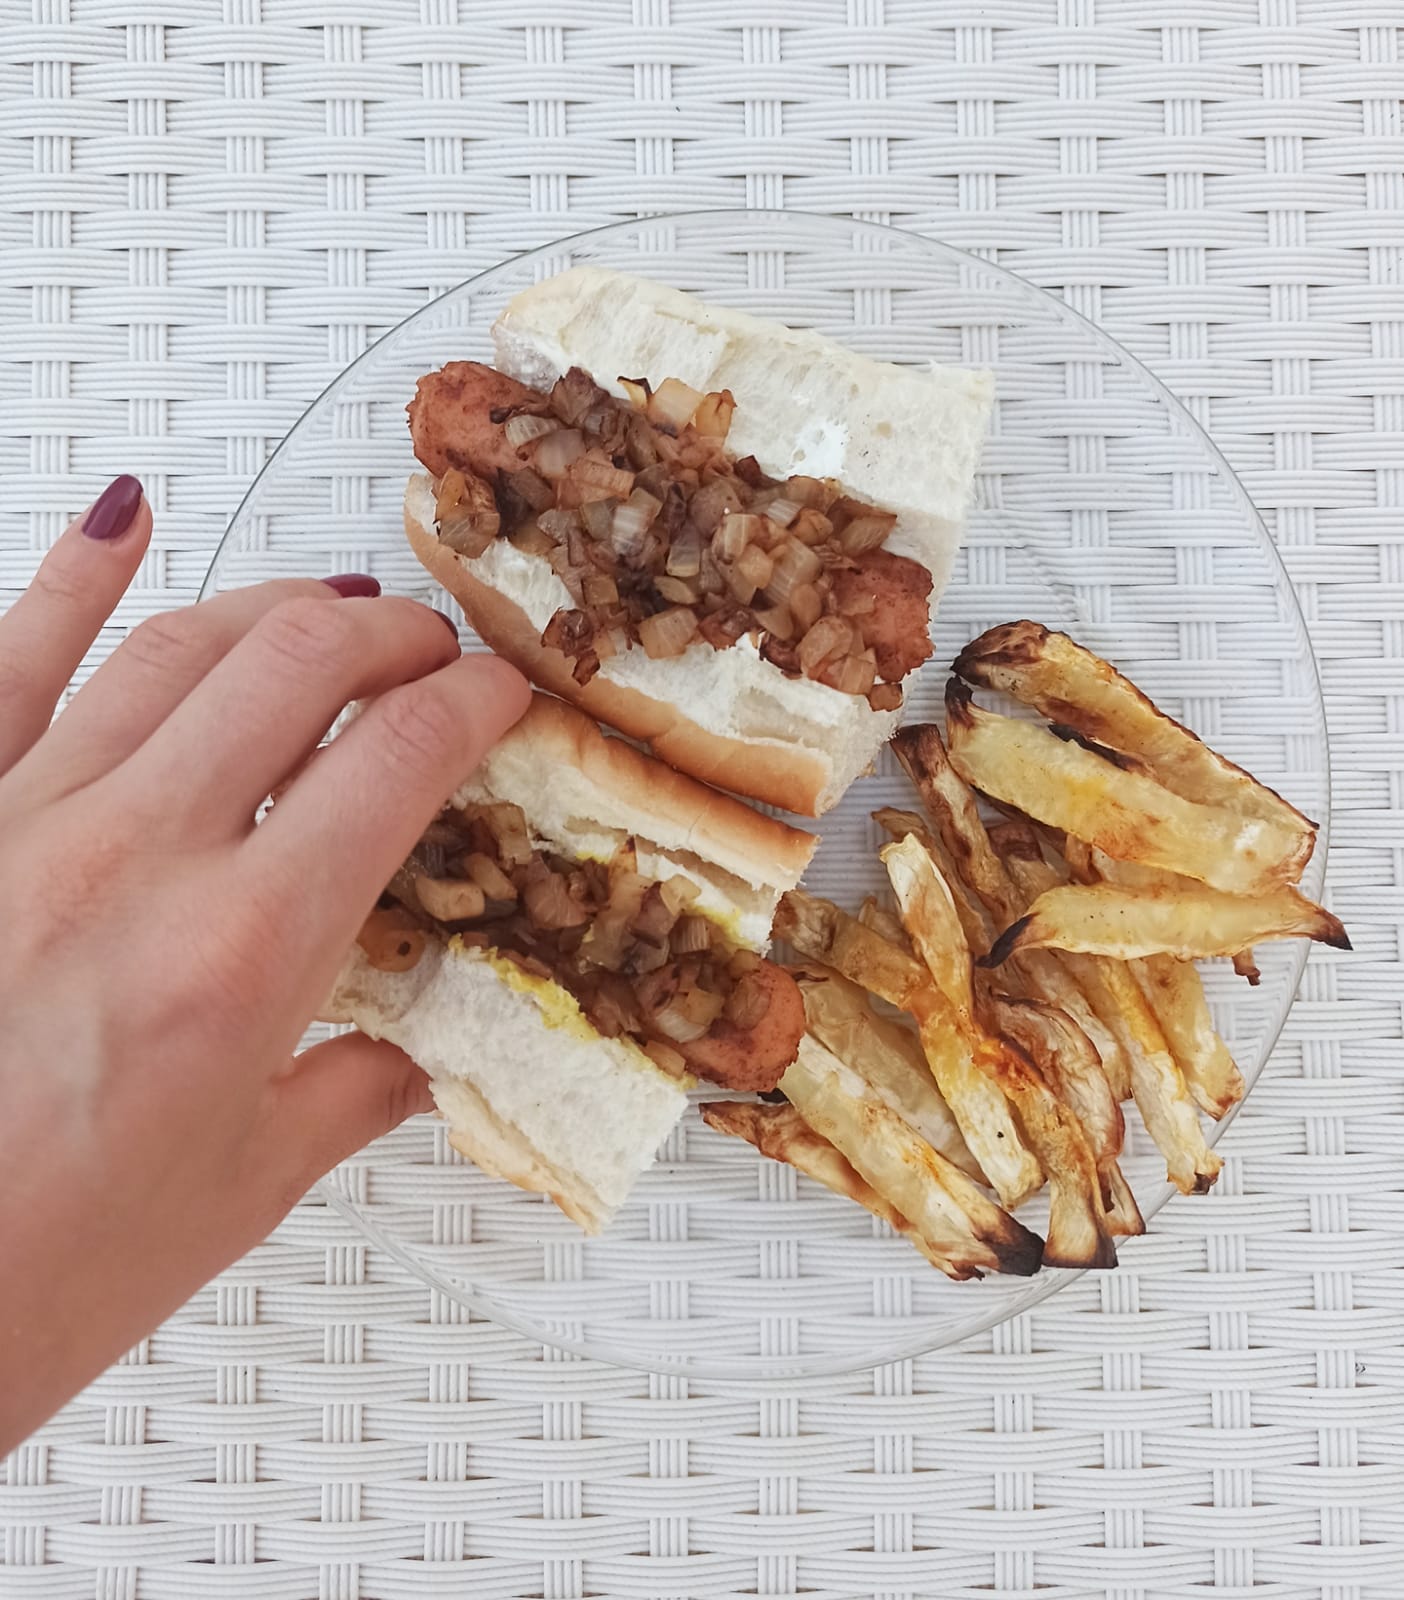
[[506, 694]]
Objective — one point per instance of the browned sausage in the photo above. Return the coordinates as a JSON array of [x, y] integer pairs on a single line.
[[753, 1058], [451, 422], [897, 628]]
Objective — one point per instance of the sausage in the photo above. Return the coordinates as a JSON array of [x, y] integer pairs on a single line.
[[451, 422], [898, 627], [753, 1058]]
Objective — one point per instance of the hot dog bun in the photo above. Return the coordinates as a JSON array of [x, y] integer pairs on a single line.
[[901, 439], [531, 1090]]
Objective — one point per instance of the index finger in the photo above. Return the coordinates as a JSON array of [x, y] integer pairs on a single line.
[[335, 838]]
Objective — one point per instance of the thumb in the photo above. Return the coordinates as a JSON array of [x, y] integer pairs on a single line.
[[339, 1096]]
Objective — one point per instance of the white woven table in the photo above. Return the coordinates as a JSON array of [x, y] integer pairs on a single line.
[[206, 209]]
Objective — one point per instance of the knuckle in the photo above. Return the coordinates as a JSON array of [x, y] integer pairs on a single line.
[[420, 727], [308, 635], [167, 641], [59, 583]]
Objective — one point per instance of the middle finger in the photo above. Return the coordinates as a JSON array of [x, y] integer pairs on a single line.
[[261, 711]]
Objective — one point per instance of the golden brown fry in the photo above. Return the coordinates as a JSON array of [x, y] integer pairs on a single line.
[[779, 1132], [1130, 816], [951, 806], [819, 931], [928, 913], [883, 922], [958, 1222], [1176, 995], [1246, 967], [1158, 1085], [1072, 686], [1174, 992], [887, 1054], [976, 922], [1072, 1068], [1077, 1231], [1108, 920], [1070, 982]]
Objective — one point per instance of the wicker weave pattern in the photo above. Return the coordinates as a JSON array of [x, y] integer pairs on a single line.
[[205, 210]]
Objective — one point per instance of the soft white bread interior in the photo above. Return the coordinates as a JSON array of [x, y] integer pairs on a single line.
[[532, 1092], [905, 439]]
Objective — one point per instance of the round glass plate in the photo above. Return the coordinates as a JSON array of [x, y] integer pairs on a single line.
[[1102, 508]]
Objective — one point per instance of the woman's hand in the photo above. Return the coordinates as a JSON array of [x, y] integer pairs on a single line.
[[160, 956]]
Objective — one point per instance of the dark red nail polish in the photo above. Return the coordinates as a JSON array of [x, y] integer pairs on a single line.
[[448, 622], [111, 514], [354, 585]]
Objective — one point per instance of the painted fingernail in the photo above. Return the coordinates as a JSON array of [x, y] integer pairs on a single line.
[[447, 621], [354, 585], [111, 514]]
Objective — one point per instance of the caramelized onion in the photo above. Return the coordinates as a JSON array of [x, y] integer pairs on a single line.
[[734, 532], [632, 521], [489, 877], [783, 511], [450, 899], [532, 540], [830, 636], [663, 1056], [849, 674], [748, 1002], [549, 903], [667, 634], [676, 590], [533, 488], [636, 392], [596, 471], [691, 936], [712, 502], [450, 491], [559, 451], [806, 605], [777, 620], [672, 404], [865, 533], [685, 553], [506, 824], [794, 565], [712, 418], [523, 428]]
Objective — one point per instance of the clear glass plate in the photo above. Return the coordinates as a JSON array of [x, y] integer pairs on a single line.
[[1102, 508]]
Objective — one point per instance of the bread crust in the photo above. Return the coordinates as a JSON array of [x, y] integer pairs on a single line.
[[659, 803], [788, 776]]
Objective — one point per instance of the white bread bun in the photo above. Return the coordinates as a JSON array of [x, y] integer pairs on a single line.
[[903, 439], [532, 1092]]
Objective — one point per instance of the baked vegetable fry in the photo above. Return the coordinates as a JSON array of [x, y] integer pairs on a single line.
[[1176, 995], [1070, 1064], [886, 1054], [1077, 689], [1077, 1231], [819, 931], [1129, 815], [1106, 919], [778, 1131], [960, 1225]]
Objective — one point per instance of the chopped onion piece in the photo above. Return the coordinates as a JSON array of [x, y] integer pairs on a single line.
[[450, 899], [691, 936], [488, 876], [783, 511], [679, 892], [795, 564], [532, 487], [451, 489], [636, 391], [523, 428], [532, 540], [734, 532], [672, 404], [850, 674], [676, 590], [811, 527], [688, 1014], [507, 825], [830, 636], [749, 1001], [865, 533], [806, 606], [596, 471], [777, 620], [665, 1058], [667, 634], [632, 521], [559, 524], [558, 451], [712, 419], [600, 590], [806, 491], [549, 903], [685, 553], [598, 517]]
